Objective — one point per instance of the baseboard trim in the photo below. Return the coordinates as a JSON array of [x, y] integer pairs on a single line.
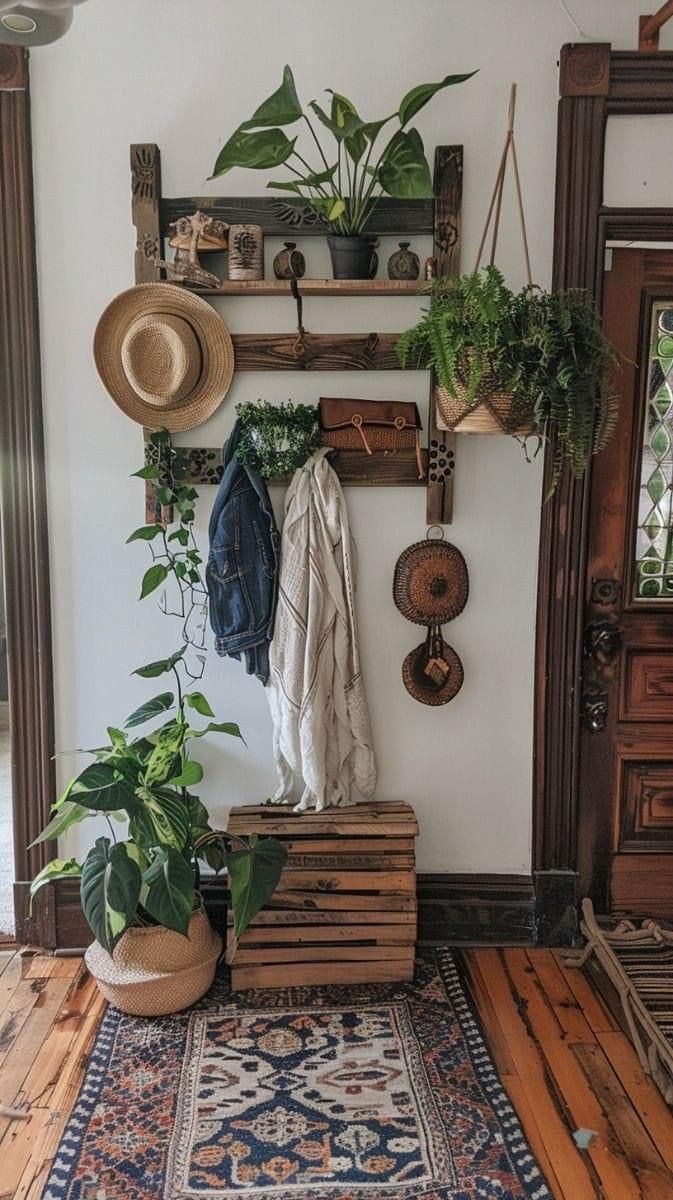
[[556, 908], [455, 910]]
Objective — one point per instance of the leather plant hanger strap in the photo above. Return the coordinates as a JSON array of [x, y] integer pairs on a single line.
[[495, 207], [300, 343]]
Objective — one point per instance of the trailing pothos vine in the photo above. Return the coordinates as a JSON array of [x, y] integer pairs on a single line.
[[147, 870]]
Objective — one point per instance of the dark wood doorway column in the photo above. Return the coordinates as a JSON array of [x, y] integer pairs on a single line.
[[595, 84], [23, 497]]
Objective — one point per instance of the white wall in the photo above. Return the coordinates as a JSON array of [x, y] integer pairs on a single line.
[[184, 74]]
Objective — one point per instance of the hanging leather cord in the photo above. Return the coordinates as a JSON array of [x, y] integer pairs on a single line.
[[495, 206], [300, 343]]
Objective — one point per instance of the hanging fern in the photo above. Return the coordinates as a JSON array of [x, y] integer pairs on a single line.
[[546, 349]]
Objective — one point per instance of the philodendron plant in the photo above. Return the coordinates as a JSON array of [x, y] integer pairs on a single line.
[[146, 872], [344, 183]]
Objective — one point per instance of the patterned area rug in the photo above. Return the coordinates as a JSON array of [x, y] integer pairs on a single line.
[[384, 1092]]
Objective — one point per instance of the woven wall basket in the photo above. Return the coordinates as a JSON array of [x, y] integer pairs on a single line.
[[155, 971], [491, 413]]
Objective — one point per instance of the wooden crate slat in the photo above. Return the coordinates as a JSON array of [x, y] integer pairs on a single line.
[[348, 845], [351, 862], [330, 917], [324, 953], [333, 905], [347, 881], [203, 465], [285, 218], [352, 813], [377, 935], [392, 902], [313, 974]]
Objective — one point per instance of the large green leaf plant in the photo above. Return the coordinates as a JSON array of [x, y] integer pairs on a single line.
[[344, 183], [143, 779]]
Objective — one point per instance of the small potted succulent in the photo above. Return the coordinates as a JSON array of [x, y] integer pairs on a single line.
[[517, 362], [155, 951], [343, 185]]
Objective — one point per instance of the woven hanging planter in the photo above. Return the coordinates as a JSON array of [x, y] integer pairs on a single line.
[[490, 411], [493, 409]]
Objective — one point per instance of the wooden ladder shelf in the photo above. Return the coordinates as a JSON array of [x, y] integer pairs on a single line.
[[440, 217]]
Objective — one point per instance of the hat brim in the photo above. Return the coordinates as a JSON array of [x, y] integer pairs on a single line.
[[413, 679], [217, 351]]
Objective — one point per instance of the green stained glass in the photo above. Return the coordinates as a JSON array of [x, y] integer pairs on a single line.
[[654, 537]]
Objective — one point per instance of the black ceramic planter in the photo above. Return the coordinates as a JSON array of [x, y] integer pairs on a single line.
[[352, 257]]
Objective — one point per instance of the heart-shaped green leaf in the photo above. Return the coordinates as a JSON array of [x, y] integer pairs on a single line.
[[281, 108], [110, 891], [58, 868], [68, 814], [161, 819], [190, 775], [153, 578], [198, 702], [262, 150], [151, 708], [419, 96], [100, 787], [404, 171], [168, 890], [146, 533], [253, 877], [166, 754], [160, 667]]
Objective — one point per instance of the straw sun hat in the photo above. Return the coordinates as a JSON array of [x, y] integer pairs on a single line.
[[164, 356]]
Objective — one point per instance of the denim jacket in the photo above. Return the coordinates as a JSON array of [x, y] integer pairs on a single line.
[[242, 569]]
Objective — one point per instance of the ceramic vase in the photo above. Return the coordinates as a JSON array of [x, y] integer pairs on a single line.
[[246, 252]]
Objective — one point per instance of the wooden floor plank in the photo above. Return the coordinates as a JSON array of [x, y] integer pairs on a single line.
[[643, 1094], [595, 1010], [562, 1059], [573, 1173], [607, 1155]]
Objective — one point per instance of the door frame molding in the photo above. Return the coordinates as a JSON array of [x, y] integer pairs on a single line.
[[23, 496], [595, 84]]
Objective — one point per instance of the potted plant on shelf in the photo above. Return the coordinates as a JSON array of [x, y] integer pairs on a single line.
[[517, 362], [345, 182], [155, 951]]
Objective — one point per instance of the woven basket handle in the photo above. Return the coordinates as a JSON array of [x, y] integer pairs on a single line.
[[495, 206]]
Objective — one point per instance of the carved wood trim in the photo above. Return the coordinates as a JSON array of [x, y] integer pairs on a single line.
[[22, 480], [637, 84], [448, 189]]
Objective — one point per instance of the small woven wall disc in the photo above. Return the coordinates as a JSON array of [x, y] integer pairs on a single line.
[[422, 686], [430, 584]]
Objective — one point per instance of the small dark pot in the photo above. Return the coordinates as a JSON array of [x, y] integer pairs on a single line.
[[352, 257]]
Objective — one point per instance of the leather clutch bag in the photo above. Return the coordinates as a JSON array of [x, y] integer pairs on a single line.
[[371, 425]]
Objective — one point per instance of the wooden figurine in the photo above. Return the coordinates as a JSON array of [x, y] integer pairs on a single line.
[[191, 236]]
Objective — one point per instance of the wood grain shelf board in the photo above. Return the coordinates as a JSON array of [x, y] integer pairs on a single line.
[[318, 352], [288, 218], [312, 287]]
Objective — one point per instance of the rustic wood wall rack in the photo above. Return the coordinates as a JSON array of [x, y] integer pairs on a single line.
[[439, 217]]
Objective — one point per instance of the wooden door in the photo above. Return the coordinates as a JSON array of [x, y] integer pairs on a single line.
[[625, 823]]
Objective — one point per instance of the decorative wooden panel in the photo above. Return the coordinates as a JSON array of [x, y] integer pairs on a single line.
[[647, 686], [642, 885], [646, 805]]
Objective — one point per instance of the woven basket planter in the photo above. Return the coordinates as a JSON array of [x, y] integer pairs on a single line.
[[490, 411], [155, 971]]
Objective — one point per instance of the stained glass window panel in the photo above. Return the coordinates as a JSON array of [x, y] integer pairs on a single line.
[[654, 537]]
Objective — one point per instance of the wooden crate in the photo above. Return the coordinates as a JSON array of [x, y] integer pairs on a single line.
[[345, 907]]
